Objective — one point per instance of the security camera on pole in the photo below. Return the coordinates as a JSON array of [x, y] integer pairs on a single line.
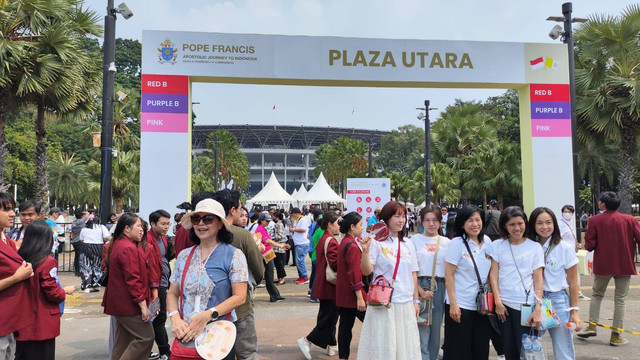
[[108, 72]]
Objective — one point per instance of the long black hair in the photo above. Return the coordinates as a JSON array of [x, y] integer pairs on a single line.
[[37, 243], [125, 220]]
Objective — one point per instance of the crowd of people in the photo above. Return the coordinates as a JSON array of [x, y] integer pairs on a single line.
[[401, 288]]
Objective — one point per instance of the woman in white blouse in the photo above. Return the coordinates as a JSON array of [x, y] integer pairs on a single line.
[[429, 246], [560, 279], [391, 332], [516, 279], [466, 331]]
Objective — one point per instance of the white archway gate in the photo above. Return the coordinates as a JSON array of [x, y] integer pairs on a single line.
[[172, 61]]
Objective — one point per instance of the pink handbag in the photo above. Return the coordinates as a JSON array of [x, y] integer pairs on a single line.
[[380, 290]]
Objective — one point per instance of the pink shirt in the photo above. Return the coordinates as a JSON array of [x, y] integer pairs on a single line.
[[264, 237]]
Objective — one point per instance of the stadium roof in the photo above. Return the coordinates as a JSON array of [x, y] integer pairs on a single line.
[[285, 137]]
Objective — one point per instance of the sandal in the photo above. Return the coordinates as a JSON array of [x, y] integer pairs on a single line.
[[281, 282]]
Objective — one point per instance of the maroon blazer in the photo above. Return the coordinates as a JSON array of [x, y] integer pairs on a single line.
[[182, 240], [153, 257], [47, 296], [613, 237], [322, 289], [15, 301], [129, 281], [349, 274]]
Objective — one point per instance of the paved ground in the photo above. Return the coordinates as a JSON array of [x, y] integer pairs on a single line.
[[85, 328]]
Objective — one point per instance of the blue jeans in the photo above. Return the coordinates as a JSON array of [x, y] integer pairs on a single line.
[[312, 280], [561, 336], [301, 252], [430, 334]]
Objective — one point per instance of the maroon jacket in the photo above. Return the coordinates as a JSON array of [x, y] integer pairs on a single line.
[[47, 296], [349, 274], [129, 280], [613, 237], [322, 289], [15, 301], [153, 256], [182, 240]]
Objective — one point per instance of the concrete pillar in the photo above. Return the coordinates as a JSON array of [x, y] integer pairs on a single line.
[[262, 170], [285, 172]]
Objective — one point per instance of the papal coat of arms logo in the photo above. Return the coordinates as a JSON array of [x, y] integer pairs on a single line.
[[167, 53]]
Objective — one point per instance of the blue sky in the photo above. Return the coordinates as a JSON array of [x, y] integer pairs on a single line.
[[371, 108]]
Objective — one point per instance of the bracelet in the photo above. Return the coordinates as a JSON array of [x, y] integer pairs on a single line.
[[172, 313], [576, 308], [416, 301]]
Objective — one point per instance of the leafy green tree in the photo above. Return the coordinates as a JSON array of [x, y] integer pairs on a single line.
[[506, 109], [401, 186], [444, 183], [341, 159], [129, 64], [400, 150], [125, 184], [607, 79], [232, 163], [20, 155]]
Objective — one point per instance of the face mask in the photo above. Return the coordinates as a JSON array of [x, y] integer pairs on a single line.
[[567, 215]]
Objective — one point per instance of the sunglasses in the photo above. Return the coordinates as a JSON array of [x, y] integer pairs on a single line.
[[207, 219]]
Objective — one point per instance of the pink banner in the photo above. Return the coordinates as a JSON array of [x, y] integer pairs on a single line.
[[550, 128], [163, 122]]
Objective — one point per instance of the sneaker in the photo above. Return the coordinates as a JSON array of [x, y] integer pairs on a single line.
[[86, 291], [164, 357], [280, 299], [314, 300], [332, 350], [304, 346], [583, 297], [440, 354], [588, 332], [500, 357], [261, 285], [154, 356], [302, 281], [94, 289], [617, 340]]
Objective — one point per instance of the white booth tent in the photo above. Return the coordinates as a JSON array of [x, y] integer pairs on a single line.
[[301, 192], [321, 192], [294, 193], [272, 193]]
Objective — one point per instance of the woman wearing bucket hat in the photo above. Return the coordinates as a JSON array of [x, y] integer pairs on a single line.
[[209, 281]]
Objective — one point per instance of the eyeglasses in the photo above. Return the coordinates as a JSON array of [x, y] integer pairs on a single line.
[[207, 219]]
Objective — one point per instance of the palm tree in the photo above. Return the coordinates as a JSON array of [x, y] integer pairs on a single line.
[[126, 180], [607, 79], [21, 21], [68, 179], [341, 159], [232, 163], [460, 129]]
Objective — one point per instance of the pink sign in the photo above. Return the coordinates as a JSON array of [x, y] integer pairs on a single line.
[[550, 128], [163, 122]]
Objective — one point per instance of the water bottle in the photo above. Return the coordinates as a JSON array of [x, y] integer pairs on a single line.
[[571, 326], [527, 346], [536, 348]]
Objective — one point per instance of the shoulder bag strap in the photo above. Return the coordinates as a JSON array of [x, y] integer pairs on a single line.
[[433, 269], [326, 246], [395, 271], [184, 276], [526, 292], [466, 243]]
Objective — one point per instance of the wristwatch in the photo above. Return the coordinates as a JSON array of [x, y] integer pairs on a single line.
[[416, 301], [214, 313]]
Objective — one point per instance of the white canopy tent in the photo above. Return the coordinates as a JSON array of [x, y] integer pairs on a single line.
[[294, 193], [301, 192], [321, 192], [271, 193]]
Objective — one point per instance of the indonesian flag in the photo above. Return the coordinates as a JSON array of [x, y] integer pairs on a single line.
[[537, 63]]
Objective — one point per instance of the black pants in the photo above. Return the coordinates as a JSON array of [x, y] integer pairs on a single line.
[[41, 350], [347, 319], [77, 250], [274, 294], [324, 334], [291, 252], [280, 262], [511, 332], [496, 338], [158, 324], [467, 340]]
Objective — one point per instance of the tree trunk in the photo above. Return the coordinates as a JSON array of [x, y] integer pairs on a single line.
[[500, 198], [119, 205], [42, 175], [627, 170], [484, 200]]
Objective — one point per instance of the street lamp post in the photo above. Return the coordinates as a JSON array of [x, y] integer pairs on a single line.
[[108, 72], [567, 38], [427, 150]]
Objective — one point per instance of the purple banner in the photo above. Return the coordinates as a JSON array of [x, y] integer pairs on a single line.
[[165, 103], [550, 110]]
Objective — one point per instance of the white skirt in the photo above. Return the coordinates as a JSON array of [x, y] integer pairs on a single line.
[[390, 333]]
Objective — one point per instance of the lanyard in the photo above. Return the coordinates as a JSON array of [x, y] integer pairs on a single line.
[[526, 292]]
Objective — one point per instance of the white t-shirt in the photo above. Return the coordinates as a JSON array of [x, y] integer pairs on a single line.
[[426, 250], [466, 281], [383, 255], [96, 235], [302, 238], [60, 225], [567, 233], [561, 258], [529, 257]]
